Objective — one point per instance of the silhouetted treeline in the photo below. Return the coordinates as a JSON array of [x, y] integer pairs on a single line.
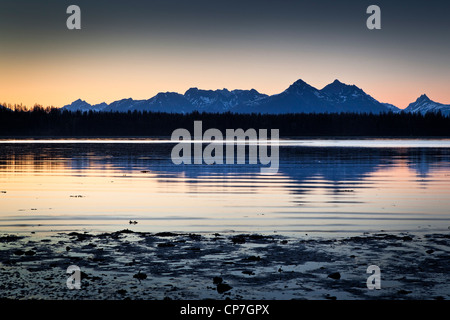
[[53, 122]]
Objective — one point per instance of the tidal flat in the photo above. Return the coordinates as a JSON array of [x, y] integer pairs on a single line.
[[184, 266]]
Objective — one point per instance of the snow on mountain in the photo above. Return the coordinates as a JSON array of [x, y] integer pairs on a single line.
[[123, 105], [220, 100], [83, 106], [350, 98], [299, 97], [423, 105], [171, 102]]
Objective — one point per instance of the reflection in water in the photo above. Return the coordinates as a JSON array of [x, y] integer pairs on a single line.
[[329, 189]]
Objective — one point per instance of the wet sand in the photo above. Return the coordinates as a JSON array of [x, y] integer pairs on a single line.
[[139, 265]]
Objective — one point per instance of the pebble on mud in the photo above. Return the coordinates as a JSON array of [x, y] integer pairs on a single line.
[[140, 276], [217, 280], [334, 275], [223, 287]]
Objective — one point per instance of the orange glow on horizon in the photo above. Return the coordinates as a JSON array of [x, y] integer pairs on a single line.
[[99, 76]]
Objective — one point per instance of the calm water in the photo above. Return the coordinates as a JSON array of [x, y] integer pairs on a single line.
[[328, 186]]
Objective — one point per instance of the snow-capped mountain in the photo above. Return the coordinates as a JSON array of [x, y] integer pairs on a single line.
[[423, 105], [220, 100], [299, 97], [350, 98], [193, 100], [83, 106], [123, 105], [171, 102]]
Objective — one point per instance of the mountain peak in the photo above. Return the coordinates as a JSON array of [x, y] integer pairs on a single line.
[[299, 83], [191, 90], [298, 86], [337, 87], [423, 98], [423, 105], [79, 101]]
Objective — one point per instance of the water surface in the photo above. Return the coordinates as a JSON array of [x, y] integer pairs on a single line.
[[322, 186]]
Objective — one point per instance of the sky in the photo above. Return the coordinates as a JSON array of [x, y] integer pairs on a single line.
[[135, 49]]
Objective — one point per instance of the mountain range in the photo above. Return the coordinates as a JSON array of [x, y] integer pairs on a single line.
[[300, 97]]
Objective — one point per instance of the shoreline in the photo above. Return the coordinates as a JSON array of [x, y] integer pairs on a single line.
[[185, 266]]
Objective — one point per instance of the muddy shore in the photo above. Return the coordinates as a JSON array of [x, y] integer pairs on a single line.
[[154, 266]]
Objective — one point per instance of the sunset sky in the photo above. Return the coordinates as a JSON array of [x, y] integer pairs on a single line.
[[139, 48]]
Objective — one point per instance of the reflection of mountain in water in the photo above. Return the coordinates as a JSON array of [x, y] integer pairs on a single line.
[[423, 162], [335, 165]]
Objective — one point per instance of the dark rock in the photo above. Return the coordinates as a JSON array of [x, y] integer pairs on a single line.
[[68, 248], [330, 297], [253, 258], [140, 276], [126, 231], [166, 245], [19, 252], [223, 287], [238, 239], [166, 234], [195, 237], [403, 291], [30, 253], [10, 238], [249, 272], [429, 251], [80, 236], [243, 238], [334, 275], [121, 291], [217, 280]]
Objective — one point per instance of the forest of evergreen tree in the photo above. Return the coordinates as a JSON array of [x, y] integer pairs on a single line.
[[50, 122]]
